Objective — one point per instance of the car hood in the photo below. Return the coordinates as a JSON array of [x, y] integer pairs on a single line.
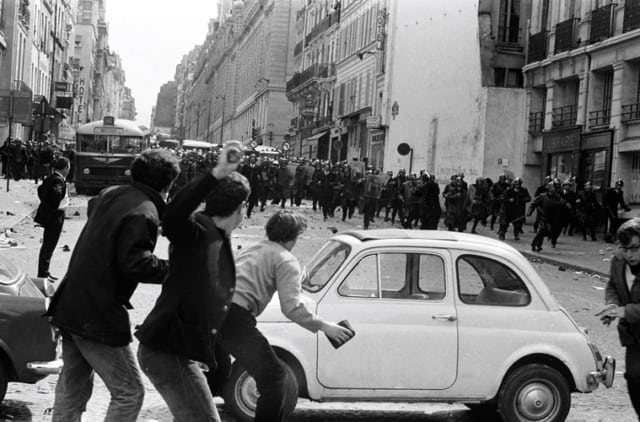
[[272, 312]]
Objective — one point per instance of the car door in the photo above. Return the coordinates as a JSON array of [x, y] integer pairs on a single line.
[[400, 304]]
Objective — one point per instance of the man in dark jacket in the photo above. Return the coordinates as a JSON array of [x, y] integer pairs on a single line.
[[612, 201], [182, 328], [112, 255], [622, 296], [50, 214]]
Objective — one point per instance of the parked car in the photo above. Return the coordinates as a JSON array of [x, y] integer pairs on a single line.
[[28, 344], [438, 316]]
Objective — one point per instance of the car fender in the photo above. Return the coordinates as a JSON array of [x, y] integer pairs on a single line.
[[304, 352], [574, 363]]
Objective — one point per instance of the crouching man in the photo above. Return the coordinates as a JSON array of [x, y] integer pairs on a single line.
[[262, 270]]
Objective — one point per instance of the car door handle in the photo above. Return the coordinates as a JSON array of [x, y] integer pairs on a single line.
[[447, 317]]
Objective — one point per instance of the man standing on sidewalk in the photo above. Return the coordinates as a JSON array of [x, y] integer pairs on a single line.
[[50, 214], [112, 255], [622, 296]]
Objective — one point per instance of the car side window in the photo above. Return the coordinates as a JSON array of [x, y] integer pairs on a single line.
[[484, 281], [431, 279], [362, 281], [393, 275]]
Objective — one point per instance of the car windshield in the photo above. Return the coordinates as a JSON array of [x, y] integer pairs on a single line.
[[324, 264]]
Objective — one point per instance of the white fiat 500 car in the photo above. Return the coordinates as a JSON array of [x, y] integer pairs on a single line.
[[438, 316]]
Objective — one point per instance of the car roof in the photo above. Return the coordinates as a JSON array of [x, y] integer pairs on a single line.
[[436, 236]]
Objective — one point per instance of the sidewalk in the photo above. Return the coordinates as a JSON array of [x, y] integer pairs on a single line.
[[17, 206]]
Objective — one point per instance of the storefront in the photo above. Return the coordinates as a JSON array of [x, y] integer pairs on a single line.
[[561, 153], [595, 160]]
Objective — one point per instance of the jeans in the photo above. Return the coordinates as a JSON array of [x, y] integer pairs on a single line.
[[181, 383], [117, 368], [278, 389]]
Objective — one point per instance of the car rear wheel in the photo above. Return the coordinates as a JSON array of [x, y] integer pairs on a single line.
[[534, 392]]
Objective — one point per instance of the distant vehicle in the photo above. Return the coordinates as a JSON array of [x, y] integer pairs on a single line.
[[169, 143], [198, 146], [267, 151], [104, 151], [27, 342], [438, 317]]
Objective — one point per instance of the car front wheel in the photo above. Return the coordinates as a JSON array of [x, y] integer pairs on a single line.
[[240, 394], [534, 392]]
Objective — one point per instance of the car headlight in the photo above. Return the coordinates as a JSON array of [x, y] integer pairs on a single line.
[[127, 172], [86, 170]]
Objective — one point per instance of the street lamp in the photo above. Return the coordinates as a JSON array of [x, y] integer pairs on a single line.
[[222, 119]]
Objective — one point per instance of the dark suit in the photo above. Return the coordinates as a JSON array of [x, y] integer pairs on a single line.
[[49, 215]]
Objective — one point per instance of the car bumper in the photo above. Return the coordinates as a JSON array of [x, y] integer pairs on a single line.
[[605, 375], [45, 367]]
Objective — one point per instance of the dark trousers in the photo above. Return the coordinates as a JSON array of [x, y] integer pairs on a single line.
[[632, 375], [278, 389], [369, 211], [348, 208], [50, 239]]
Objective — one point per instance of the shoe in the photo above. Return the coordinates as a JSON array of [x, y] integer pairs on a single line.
[[553, 245], [516, 238], [501, 237], [594, 239], [584, 237], [474, 232]]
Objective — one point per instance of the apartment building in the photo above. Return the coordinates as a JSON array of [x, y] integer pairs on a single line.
[[583, 87]]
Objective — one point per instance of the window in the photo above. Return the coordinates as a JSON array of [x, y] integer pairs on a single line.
[[509, 28], [402, 276], [484, 281], [323, 265], [362, 281]]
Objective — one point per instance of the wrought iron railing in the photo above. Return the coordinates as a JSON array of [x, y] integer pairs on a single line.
[[601, 23], [297, 49], [537, 47], [536, 121], [599, 117], [294, 122], [312, 72], [630, 112], [566, 35], [631, 19], [564, 116], [323, 25]]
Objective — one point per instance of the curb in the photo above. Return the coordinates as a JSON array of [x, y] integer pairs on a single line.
[[562, 264]]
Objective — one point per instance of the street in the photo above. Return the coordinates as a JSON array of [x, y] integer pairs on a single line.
[[580, 294]]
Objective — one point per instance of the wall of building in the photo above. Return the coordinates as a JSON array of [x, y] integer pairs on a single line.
[[433, 55], [504, 129]]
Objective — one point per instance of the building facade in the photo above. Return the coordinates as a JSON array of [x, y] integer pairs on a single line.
[[582, 81]]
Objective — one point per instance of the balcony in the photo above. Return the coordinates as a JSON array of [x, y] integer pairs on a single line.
[[537, 47], [536, 121], [313, 72], [297, 49], [564, 116], [601, 23], [294, 122], [630, 112], [566, 35], [322, 26], [316, 123], [599, 118], [631, 15]]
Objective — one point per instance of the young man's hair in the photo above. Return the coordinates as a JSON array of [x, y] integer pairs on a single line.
[[284, 226], [627, 230], [61, 164], [156, 168], [227, 195]]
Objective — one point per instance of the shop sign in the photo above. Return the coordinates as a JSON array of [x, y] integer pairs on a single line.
[[597, 140], [373, 122], [565, 140]]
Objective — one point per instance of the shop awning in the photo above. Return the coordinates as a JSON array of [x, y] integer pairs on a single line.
[[629, 145], [41, 107], [316, 136]]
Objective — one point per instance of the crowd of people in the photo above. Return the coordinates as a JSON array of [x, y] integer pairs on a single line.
[[32, 160], [188, 337]]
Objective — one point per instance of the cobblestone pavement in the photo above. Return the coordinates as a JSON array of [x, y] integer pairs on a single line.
[[578, 290]]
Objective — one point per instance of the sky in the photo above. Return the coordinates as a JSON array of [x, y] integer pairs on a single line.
[[151, 36]]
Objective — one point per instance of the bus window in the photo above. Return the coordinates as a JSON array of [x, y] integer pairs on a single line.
[[93, 144], [126, 145]]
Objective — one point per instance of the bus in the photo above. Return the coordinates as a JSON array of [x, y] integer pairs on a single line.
[[104, 152]]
